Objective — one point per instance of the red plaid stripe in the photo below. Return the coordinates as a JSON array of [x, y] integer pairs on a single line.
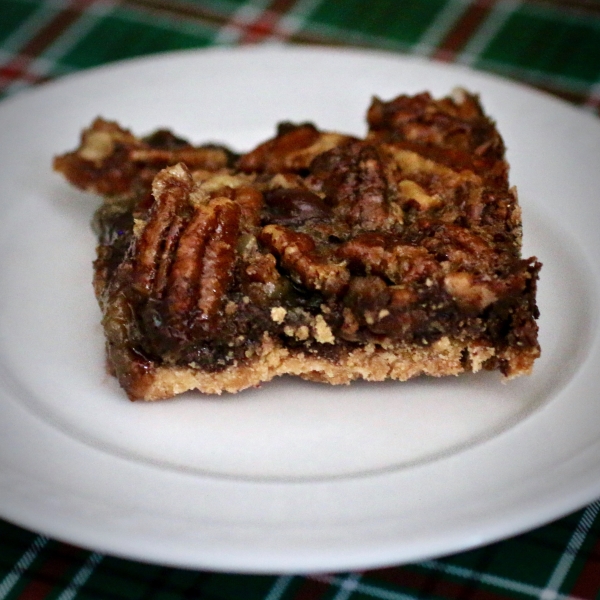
[[52, 570], [19, 68], [593, 100], [268, 21], [253, 23], [16, 69], [588, 582], [463, 30], [265, 26]]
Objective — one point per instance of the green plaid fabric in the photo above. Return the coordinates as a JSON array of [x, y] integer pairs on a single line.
[[550, 44], [560, 561], [546, 43]]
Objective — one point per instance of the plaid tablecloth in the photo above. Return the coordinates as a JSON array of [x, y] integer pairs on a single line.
[[546, 43]]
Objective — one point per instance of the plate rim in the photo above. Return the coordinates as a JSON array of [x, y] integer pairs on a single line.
[[576, 501]]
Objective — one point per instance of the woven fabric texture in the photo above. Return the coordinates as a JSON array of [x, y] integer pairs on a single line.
[[553, 45]]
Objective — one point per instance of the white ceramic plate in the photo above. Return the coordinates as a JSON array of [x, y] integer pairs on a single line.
[[294, 476]]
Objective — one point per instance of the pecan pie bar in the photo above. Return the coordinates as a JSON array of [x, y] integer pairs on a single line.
[[315, 254]]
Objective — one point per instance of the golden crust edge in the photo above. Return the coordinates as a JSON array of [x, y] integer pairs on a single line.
[[369, 362]]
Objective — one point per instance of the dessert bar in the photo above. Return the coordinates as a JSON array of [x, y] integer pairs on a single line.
[[318, 254]]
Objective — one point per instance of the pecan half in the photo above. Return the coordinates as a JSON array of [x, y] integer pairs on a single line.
[[250, 202], [203, 263], [291, 150], [384, 255], [185, 254], [462, 248], [209, 158], [101, 162], [111, 161], [456, 126], [354, 181], [297, 254], [171, 191]]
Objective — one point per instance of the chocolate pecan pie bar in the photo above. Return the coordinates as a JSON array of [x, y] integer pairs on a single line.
[[315, 254]]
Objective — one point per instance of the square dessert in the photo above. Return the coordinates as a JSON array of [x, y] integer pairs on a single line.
[[316, 254]]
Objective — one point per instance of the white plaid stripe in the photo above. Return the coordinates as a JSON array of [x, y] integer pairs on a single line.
[[244, 16], [15, 42], [348, 586], [279, 587], [28, 28], [176, 23], [441, 26], [492, 580], [48, 63], [13, 576], [364, 588], [36, 69], [72, 589], [295, 19], [77, 31], [486, 32], [566, 560]]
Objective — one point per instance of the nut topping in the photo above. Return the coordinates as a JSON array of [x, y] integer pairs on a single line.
[[291, 150], [382, 255], [297, 254], [315, 253], [171, 190], [112, 161], [184, 255], [353, 179]]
